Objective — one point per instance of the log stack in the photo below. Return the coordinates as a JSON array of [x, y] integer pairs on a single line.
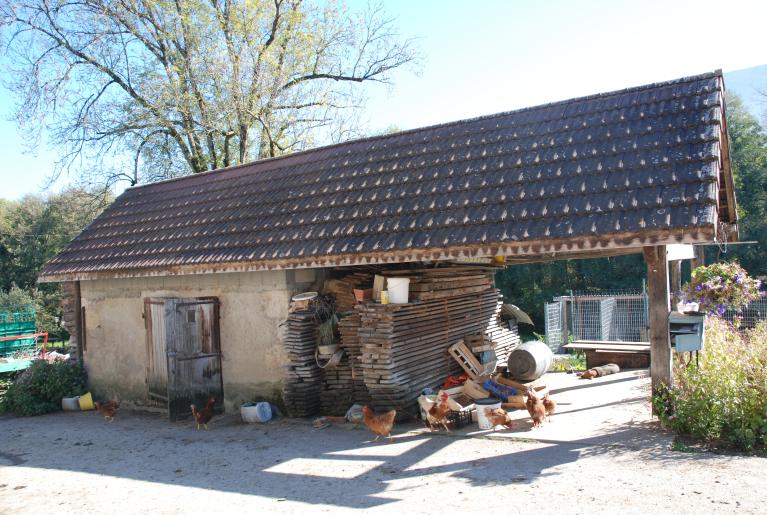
[[349, 327], [303, 382], [344, 385], [343, 289], [392, 352], [404, 347]]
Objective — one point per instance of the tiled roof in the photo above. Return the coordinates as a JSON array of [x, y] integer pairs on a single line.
[[628, 168]]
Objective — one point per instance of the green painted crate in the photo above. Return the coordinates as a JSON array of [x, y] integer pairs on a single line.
[[17, 321]]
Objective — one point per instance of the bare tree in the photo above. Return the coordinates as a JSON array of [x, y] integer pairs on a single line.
[[149, 89]]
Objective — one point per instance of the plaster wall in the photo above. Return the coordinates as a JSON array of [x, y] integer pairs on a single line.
[[252, 306]]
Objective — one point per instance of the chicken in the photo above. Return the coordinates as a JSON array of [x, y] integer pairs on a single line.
[[498, 417], [381, 425], [535, 408], [438, 412], [108, 409], [203, 416], [550, 405]]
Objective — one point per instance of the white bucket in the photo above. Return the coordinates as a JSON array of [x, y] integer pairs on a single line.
[[398, 288], [481, 405], [70, 404], [256, 412]]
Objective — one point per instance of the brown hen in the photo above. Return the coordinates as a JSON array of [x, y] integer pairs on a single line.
[[498, 417], [108, 409], [535, 408], [203, 416], [381, 425]]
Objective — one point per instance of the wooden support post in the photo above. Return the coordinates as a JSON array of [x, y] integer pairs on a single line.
[[565, 330], [700, 257], [676, 281], [658, 311]]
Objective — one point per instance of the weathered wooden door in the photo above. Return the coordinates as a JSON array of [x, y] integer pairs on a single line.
[[184, 353], [194, 355], [157, 356]]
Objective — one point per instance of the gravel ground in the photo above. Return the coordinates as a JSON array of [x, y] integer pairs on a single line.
[[141, 463]]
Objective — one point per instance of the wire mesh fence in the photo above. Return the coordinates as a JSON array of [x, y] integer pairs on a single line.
[[554, 329], [749, 316], [617, 316]]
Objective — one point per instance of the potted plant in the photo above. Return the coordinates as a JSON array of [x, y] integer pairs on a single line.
[[721, 286]]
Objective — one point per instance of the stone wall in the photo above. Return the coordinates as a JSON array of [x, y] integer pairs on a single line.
[[70, 304]]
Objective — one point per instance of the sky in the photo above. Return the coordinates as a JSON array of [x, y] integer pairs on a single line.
[[488, 56]]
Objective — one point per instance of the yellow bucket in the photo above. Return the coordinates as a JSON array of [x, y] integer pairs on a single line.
[[86, 402]]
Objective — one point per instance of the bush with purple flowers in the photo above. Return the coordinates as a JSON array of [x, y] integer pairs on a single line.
[[721, 286]]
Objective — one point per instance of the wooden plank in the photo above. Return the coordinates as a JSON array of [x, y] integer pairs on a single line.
[[610, 342], [587, 346], [658, 311]]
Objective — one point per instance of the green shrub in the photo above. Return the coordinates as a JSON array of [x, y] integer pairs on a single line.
[[40, 388], [575, 361], [724, 400]]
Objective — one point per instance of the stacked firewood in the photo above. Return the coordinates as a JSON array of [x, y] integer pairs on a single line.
[[303, 382], [404, 347], [343, 289]]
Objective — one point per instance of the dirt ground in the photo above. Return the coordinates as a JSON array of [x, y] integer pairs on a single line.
[[601, 452]]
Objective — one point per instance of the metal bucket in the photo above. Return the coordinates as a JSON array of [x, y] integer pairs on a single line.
[[530, 360]]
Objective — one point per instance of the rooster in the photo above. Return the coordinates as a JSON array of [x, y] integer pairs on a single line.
[[108, 409], [535, 408], [550, 405], [498, 417], [438, 412], [203, 416], [381, 425]]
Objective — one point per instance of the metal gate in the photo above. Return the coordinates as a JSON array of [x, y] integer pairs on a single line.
[[187, 334]]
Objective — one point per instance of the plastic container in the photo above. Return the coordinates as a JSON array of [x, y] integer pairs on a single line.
[[459, 419], [70, 404], [529, 361], [398, 288], [482, 404], [86, 402], [253, 412]]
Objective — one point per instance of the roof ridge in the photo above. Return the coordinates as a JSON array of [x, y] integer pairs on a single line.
[[681, 80]]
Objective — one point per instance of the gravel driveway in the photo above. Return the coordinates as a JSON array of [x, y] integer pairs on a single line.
[[141, 463]]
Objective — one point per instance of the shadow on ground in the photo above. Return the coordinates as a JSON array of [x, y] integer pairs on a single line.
[[289, 460]]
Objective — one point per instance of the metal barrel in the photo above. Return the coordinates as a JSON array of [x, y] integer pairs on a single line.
[[530, 360]]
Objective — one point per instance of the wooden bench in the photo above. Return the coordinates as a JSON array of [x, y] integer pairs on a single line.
[[623, 354]]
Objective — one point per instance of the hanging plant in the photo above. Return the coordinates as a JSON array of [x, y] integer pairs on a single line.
[[721, 286]]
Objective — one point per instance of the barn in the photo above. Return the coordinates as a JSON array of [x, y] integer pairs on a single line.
[[212, 260]]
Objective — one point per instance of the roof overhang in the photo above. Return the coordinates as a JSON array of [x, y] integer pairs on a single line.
[[515, 252]]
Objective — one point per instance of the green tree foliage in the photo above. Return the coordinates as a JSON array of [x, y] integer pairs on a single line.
[[530, 286], [748, 151], [32, 231], [149, 89]]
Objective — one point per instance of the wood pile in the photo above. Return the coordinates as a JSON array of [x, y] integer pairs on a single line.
[[344, 384], [303, 382], [404, 347], [441, 283], [349, 327], [392, 352], [343, 289]]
